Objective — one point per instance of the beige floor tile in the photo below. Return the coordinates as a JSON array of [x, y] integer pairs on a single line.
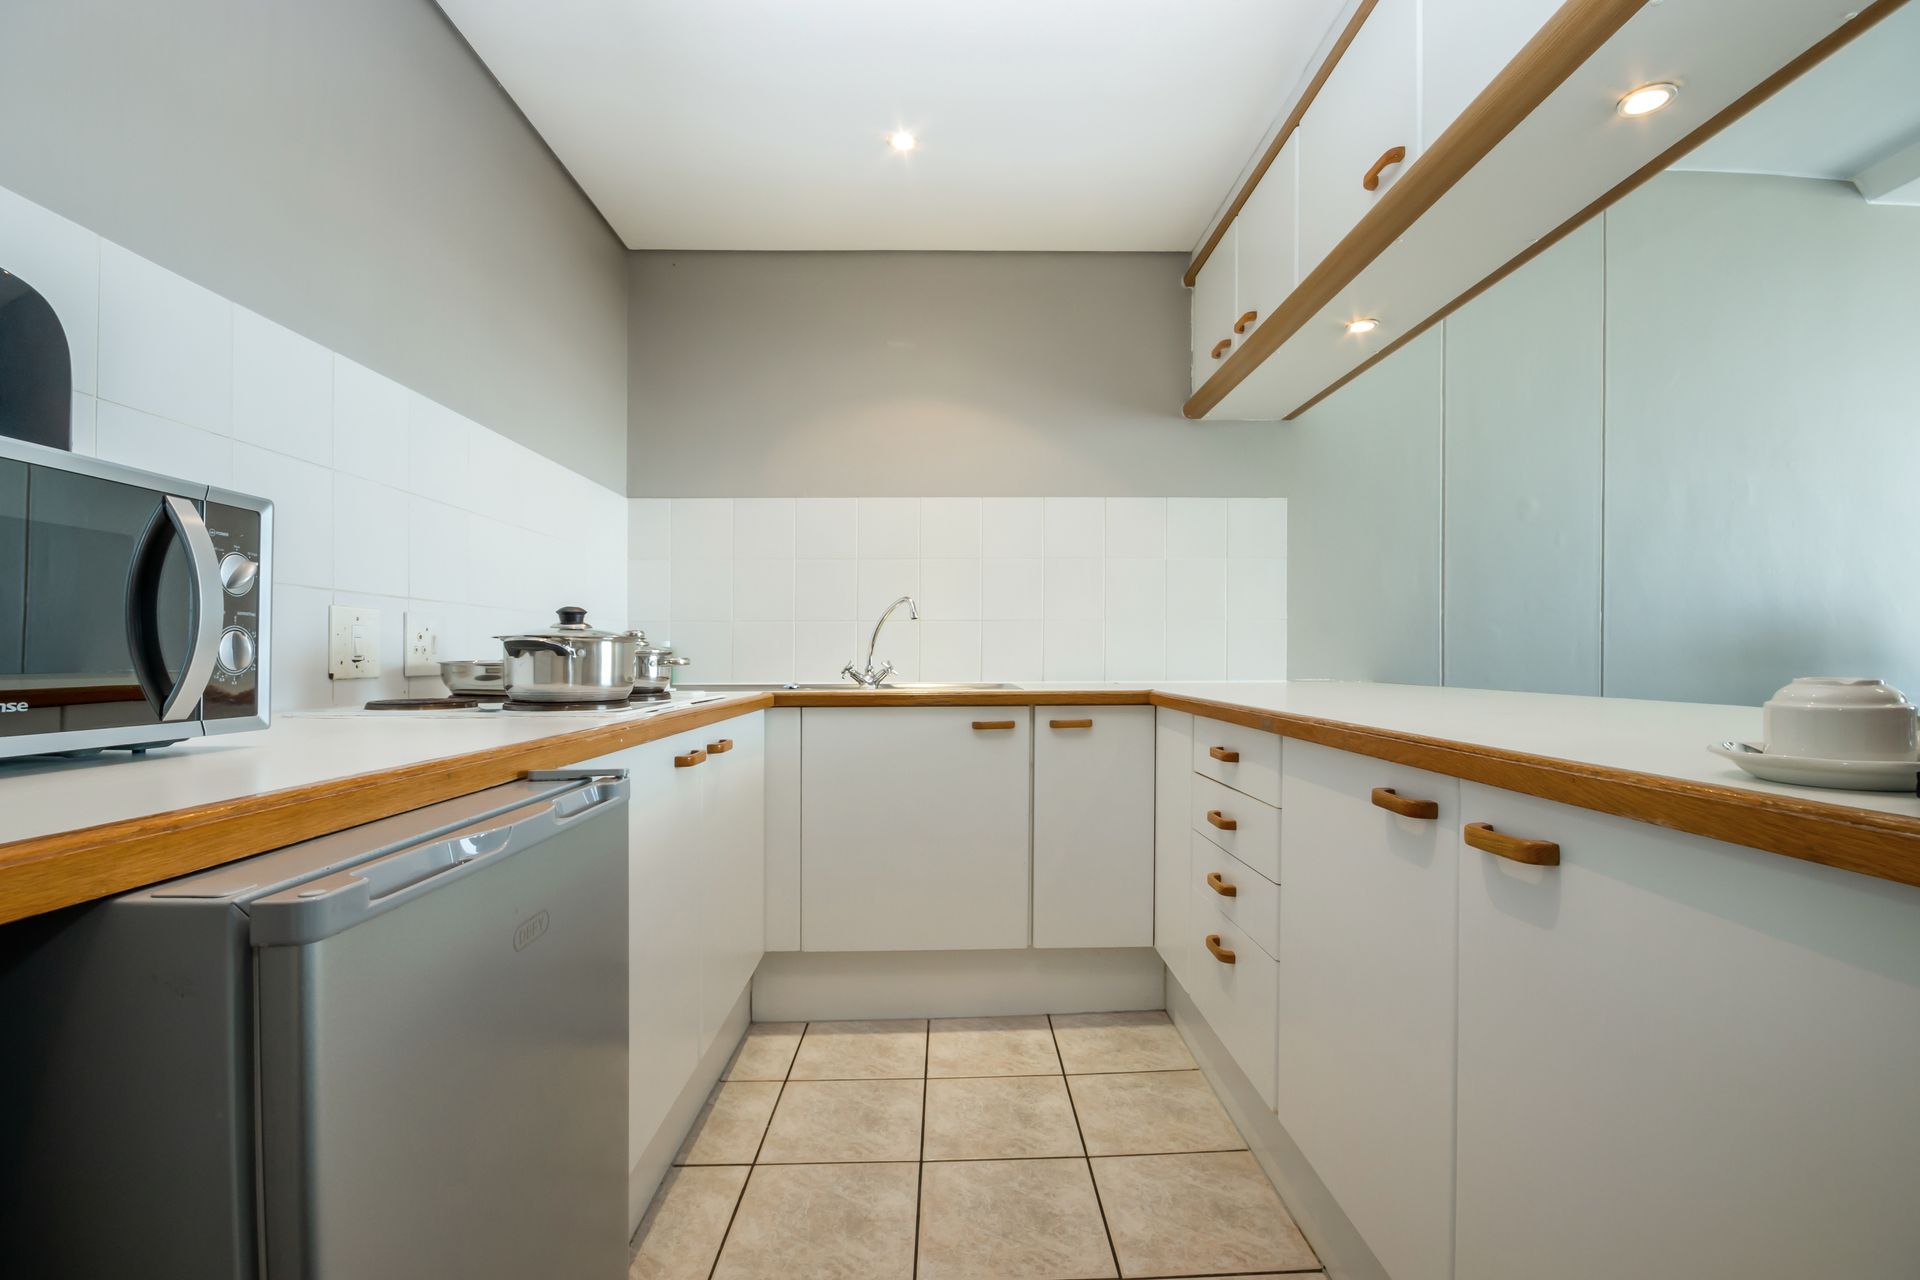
[[991, 1047], [826, 1121], [890, 1050], [681, 1233], [1143, 1041], [1151, 1113], [823, 1222], [1000, 1118], [1011, 1220], [728, 1128], [1197, 1214], [765, 1052]]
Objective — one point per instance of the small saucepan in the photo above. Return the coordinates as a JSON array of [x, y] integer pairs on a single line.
[[653, 669], [471, 676]]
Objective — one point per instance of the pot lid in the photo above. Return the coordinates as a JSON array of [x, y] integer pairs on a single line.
[[573, 626]]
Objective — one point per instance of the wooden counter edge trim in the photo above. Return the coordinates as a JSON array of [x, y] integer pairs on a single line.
[[1885, 846], [45, 873], [1286, 130], [963, 697], [1561, 46], [1733, 111]]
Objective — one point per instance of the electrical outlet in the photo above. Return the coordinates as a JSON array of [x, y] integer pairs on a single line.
[[423, 645], [353, 643]]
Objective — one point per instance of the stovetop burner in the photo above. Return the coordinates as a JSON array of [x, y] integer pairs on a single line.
[[453, 702], [611, 704], [475, 701]]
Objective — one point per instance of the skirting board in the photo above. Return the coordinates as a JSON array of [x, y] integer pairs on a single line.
[[801, 986], [1342, 1252], [643, 1179]]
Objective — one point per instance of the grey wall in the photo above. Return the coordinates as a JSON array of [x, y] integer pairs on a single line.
[[923, 374], [1674, 457], [348, 169]]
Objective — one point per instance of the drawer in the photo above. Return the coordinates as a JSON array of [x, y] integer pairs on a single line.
[[1253, 904], [1248, 760], [1238, 1000], [1248, 829]]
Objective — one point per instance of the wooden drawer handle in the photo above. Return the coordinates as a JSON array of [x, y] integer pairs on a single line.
[[1223, 954], [1535, 853], [690, 759], [1390, 157], [1223, 755], [1069, 724], [1221, 821], [1221, 887], [986, 726], [1393, 802], [1220, 347], [720, 748], [1245, 322]]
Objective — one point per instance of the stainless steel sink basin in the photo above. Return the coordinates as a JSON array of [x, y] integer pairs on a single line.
[[845, 685]]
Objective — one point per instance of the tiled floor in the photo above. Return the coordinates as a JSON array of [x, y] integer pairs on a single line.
[[1065, 1148]]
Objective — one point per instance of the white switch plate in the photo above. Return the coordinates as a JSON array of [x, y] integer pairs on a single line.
[[423, 645], [353, 643]]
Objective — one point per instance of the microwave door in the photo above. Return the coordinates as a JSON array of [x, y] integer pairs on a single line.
[[154, 595]]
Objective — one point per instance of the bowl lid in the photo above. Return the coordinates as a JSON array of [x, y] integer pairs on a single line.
[[1839, 691]]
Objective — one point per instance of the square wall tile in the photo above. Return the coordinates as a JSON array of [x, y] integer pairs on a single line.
[[824, 590], [1256, 527], [1256, 649], [762, 651], [61, 260], [369, 533], [166, 344], [762, 590], [1012, 590], [1075, 589], [1196, 527], [823, 529], [702, 590], [884, 581], [950, 528], [950, 651], [702, 529], [1013, 527], [1012, 651], [85, 441], [1076, 527], [649, 529], [821, 649], [889, 528], [708, 646], [949, 589], [1256, 588], [1136, 650], [282, 389], [1197, 589], [763, 528], [1136, 590], [1196, 648], [302, 495], [439, 550], [649, 588], [300, 648], [1075, 651], [1136, 527], [440, 456], [141, 440], [369, 422]]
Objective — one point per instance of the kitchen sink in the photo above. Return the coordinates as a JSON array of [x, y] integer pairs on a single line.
[[848, 686]]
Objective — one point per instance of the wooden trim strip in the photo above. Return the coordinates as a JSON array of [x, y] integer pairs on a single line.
[[1734, 110], [1883, 845], [1557, 50], [851, 697], [1272, 152]]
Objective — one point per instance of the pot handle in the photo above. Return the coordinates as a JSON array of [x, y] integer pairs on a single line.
[[675, 662], [517, 645]]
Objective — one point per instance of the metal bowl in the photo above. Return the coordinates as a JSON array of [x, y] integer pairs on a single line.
[[475, 676]]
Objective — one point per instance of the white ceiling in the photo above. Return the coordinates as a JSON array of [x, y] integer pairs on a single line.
[[761, 124]]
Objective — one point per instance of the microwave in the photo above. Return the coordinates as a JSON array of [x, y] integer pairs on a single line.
[[133, 607]]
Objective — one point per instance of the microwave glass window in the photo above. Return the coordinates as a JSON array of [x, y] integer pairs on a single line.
[[13, 567]]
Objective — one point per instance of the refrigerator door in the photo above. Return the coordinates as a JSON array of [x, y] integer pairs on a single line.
[[442, 1054]]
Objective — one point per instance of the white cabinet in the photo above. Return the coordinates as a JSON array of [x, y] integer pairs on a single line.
[[1266, 232], [1232, 981], [1366, 1023], [1172, 786], [1246, 759], [1464, 45], [1704, 1050], [1369, 105], [1093, 834], [914, 828], [732, 870], [1213, 308]]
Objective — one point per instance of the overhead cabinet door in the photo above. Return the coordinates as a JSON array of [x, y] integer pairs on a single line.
[[1093, 786], [1267, 228], [1213, 310]]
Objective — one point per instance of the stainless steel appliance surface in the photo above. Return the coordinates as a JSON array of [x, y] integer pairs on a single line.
[[133, 606], [398, 1051], [653, 668], [474, 675], [570, 662]]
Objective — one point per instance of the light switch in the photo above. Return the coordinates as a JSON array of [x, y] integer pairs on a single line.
[[423, 645], [353, 643]]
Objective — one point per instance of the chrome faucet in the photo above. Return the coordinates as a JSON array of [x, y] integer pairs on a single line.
[[871, 679]]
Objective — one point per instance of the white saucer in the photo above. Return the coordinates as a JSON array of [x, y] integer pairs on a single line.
[[1812, 771]]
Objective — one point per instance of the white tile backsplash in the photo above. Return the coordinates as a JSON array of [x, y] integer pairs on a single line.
[[302, 495], [158, 444], [1196, 528], [1013, 527], [888, 528], [62, 263], [1075, 588], [166, 344], [763, 528], [950, 528], [369, 422], [369, 530], [1137, 527], [1076, 527], [823, 529], [282, 389]]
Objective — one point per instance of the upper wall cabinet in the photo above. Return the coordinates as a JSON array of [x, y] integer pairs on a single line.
[[1441, 144]]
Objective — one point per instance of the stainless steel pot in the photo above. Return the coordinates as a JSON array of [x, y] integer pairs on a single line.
[[653, 668], [474, 677], [572, 662]]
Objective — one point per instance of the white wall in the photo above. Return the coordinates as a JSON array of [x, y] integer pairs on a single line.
[[1010, 589], [383, 497]]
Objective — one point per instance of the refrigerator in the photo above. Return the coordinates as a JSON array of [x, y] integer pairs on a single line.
[[398, 1051]]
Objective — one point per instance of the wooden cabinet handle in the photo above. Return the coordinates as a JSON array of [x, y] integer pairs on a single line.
[[1223, 954], [1393, 802], [1388, 158], [1220, 347], [1535, 853], [1221, 821], [720, 748], [690, 759], [986, 726], [1070, 724], [1245, 322], [1221, 887], [1223, 755]]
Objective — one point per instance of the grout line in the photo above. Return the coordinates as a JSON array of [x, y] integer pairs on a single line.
[[758, 1147], [920, 1168], [1088, 1161]]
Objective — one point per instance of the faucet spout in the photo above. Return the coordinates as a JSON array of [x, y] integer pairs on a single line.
[[870, 678]]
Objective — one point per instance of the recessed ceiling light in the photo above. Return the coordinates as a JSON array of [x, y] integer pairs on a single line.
[[1365, 324], [902, 140], [1648, 98]]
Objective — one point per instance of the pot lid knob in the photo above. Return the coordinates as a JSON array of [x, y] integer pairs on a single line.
[[572, 615]]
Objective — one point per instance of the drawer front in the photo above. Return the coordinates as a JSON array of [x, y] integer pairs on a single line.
[[1248, 829], [1238, 1000], [1253, 903], [1247, 760]]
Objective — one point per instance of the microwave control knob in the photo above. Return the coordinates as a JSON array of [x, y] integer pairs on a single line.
[[236, 651], [237, 573]]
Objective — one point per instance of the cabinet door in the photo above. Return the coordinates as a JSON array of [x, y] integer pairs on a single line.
[[732, 875], [914, 828], [1213, 306], [1366, 1034], [1707, 1047], [1232, 984], [1369, 105], [1173, 780], [1464, 45], [1093, 827], [1267, 226]]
